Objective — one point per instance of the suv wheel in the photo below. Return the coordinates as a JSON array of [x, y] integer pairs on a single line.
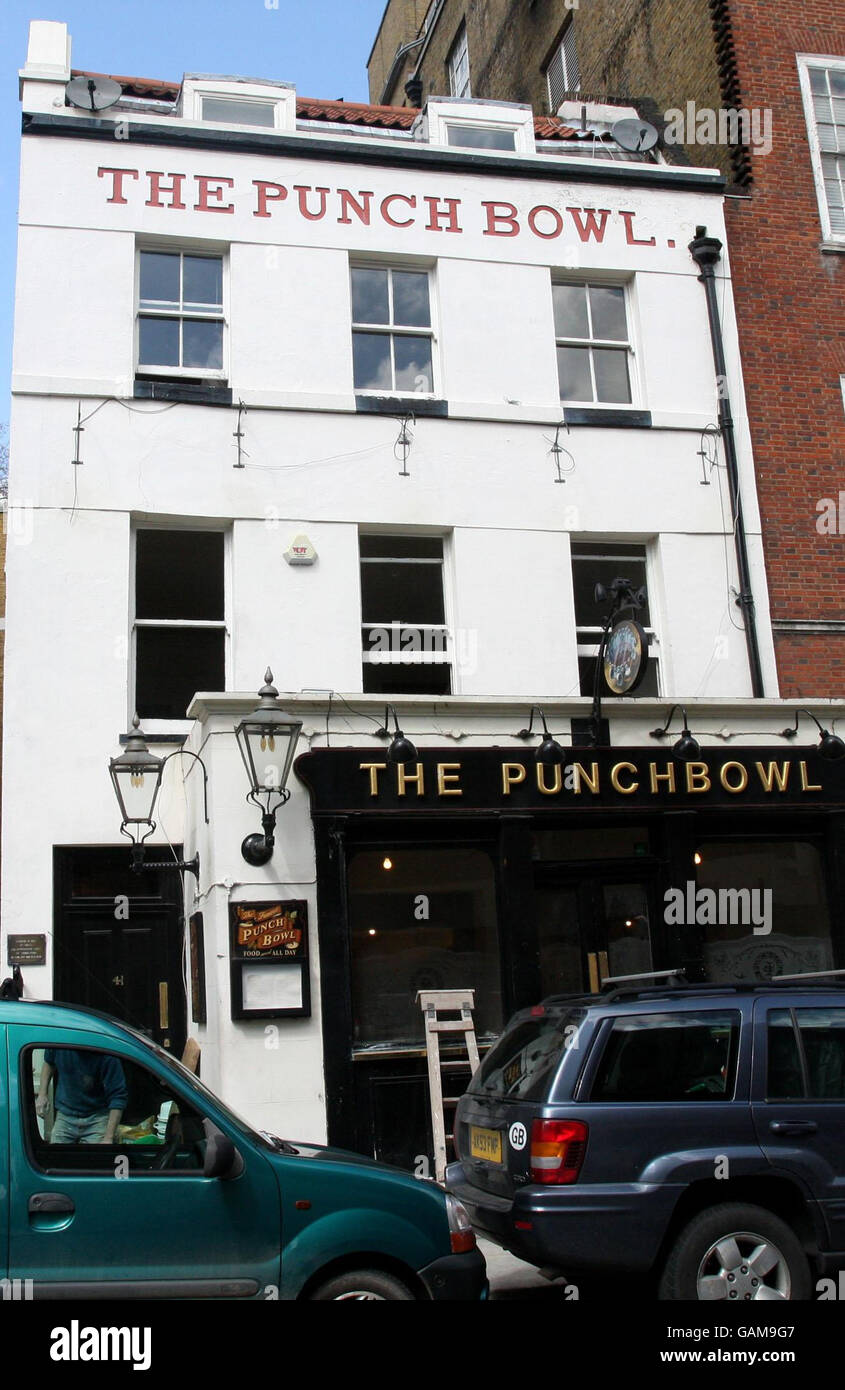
[[736, 1252], [363, 1286]]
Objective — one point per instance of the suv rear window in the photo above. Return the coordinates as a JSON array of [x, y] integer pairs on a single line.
[[669, 1057], [521, 1064]]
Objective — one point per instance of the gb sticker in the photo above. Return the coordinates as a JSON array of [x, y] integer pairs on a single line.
[[518, 1136]]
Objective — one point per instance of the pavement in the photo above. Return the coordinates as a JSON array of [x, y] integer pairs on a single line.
[[511, 1278]]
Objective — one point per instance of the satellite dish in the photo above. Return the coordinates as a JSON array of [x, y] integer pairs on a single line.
[[633, 134], [93, 93]]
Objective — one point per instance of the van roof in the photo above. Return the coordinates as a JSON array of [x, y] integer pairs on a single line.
[[58, 1015]]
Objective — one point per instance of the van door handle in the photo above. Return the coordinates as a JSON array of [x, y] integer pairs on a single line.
[[793, 1127], [50, 1203]]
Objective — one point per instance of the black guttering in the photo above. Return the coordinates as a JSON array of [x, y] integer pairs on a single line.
[[353, 152], [706, 251]]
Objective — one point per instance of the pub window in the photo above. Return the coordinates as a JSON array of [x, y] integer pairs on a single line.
[[406, 643], [770, 906], [392, 332], [600, 562], [421, 919], [594, 349], [180, 314], [179, 628]]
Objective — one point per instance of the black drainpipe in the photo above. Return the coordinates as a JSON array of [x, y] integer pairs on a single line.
[[706, 251]]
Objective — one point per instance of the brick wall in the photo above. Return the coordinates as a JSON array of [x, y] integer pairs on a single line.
[[791, 305], [400, 24]]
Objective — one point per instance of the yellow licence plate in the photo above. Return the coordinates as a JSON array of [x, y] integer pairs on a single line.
[[485, 1143]]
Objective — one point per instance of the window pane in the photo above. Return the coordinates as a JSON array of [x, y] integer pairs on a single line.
[[393, 955], [837, 81], [818, 79], [371, 362], [172, 664], [410, 299], [598, 568], [573, 369], [481, 138], [370, 303], [405, 593], [202, 281], [411, 547], [158, 342], [669, 1057], [202, 344], [570, 305], [607, 306], [823, 1039], [234, 112], [159, 278], [612, 380], [413, 364], [179, 574]]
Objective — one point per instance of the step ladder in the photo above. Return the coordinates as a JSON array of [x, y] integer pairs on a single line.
[[434, 1002]]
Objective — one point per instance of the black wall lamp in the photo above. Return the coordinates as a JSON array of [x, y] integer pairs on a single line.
[[267, 739], [831, 746], [401, 749], [549, 751], [688, 748], [136, 775]]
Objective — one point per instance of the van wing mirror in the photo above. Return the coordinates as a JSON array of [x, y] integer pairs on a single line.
[[222, 1159]]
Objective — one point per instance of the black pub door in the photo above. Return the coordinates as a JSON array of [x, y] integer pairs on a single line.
[[118, 941]]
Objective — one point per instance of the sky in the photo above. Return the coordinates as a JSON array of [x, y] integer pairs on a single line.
[[321, 46]]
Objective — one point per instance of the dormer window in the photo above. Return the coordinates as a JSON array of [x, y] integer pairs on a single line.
[[267, 106], [495, 126]]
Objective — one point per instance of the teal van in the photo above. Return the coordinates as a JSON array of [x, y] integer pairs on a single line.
[[123, 1176]]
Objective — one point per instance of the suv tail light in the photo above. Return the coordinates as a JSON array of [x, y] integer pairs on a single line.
[[557, 1150]]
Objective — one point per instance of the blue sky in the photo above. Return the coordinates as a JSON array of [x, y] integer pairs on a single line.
[[320, 45]]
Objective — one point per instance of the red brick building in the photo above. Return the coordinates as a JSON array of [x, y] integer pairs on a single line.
[[782, 69]]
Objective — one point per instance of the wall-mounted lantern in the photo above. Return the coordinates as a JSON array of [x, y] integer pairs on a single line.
[[267, 739], [136, 775]]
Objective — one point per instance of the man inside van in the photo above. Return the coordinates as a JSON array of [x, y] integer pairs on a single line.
[[90, 1095]]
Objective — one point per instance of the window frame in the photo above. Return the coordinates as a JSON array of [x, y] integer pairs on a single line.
[[629, 345], [805, 62], [180, 373], [457, 56], [401, 658], [183, 725], [588, 650], [391, 330]]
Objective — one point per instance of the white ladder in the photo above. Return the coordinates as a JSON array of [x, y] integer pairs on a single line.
[[433, 1002]]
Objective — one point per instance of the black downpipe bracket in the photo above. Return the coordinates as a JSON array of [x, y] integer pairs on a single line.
[[706, 251]]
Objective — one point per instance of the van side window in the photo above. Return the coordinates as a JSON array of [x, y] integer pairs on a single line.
[[669, 1057], [91, 1110]]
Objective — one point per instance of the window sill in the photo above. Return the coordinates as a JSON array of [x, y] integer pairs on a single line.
[[400, 405], [832, 248], [604, 418], [190, 392]]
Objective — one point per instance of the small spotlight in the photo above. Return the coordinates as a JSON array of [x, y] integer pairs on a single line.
[[831, 746], [387, 863]]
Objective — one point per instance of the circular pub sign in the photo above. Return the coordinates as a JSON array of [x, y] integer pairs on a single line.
[[625, 657]]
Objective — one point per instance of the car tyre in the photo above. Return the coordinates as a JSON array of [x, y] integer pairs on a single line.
[[363, 1286], [737, 1253]]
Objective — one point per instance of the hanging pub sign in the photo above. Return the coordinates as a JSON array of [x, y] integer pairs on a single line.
[[625, 656], [269, 960]]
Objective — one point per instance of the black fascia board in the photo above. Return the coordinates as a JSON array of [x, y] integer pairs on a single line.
[[402, 156]]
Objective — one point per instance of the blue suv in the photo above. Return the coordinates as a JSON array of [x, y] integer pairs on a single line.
[[693, 1133]]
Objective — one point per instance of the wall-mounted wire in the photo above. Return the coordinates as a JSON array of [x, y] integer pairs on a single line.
[[404, 441], [708, 452], [238, 435], [556, 449]]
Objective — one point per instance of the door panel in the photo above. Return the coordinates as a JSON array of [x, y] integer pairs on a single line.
[[124, 1225], [590, 927]]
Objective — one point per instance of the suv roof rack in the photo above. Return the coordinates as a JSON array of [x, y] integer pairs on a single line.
[[671, 977], [810, 975]]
